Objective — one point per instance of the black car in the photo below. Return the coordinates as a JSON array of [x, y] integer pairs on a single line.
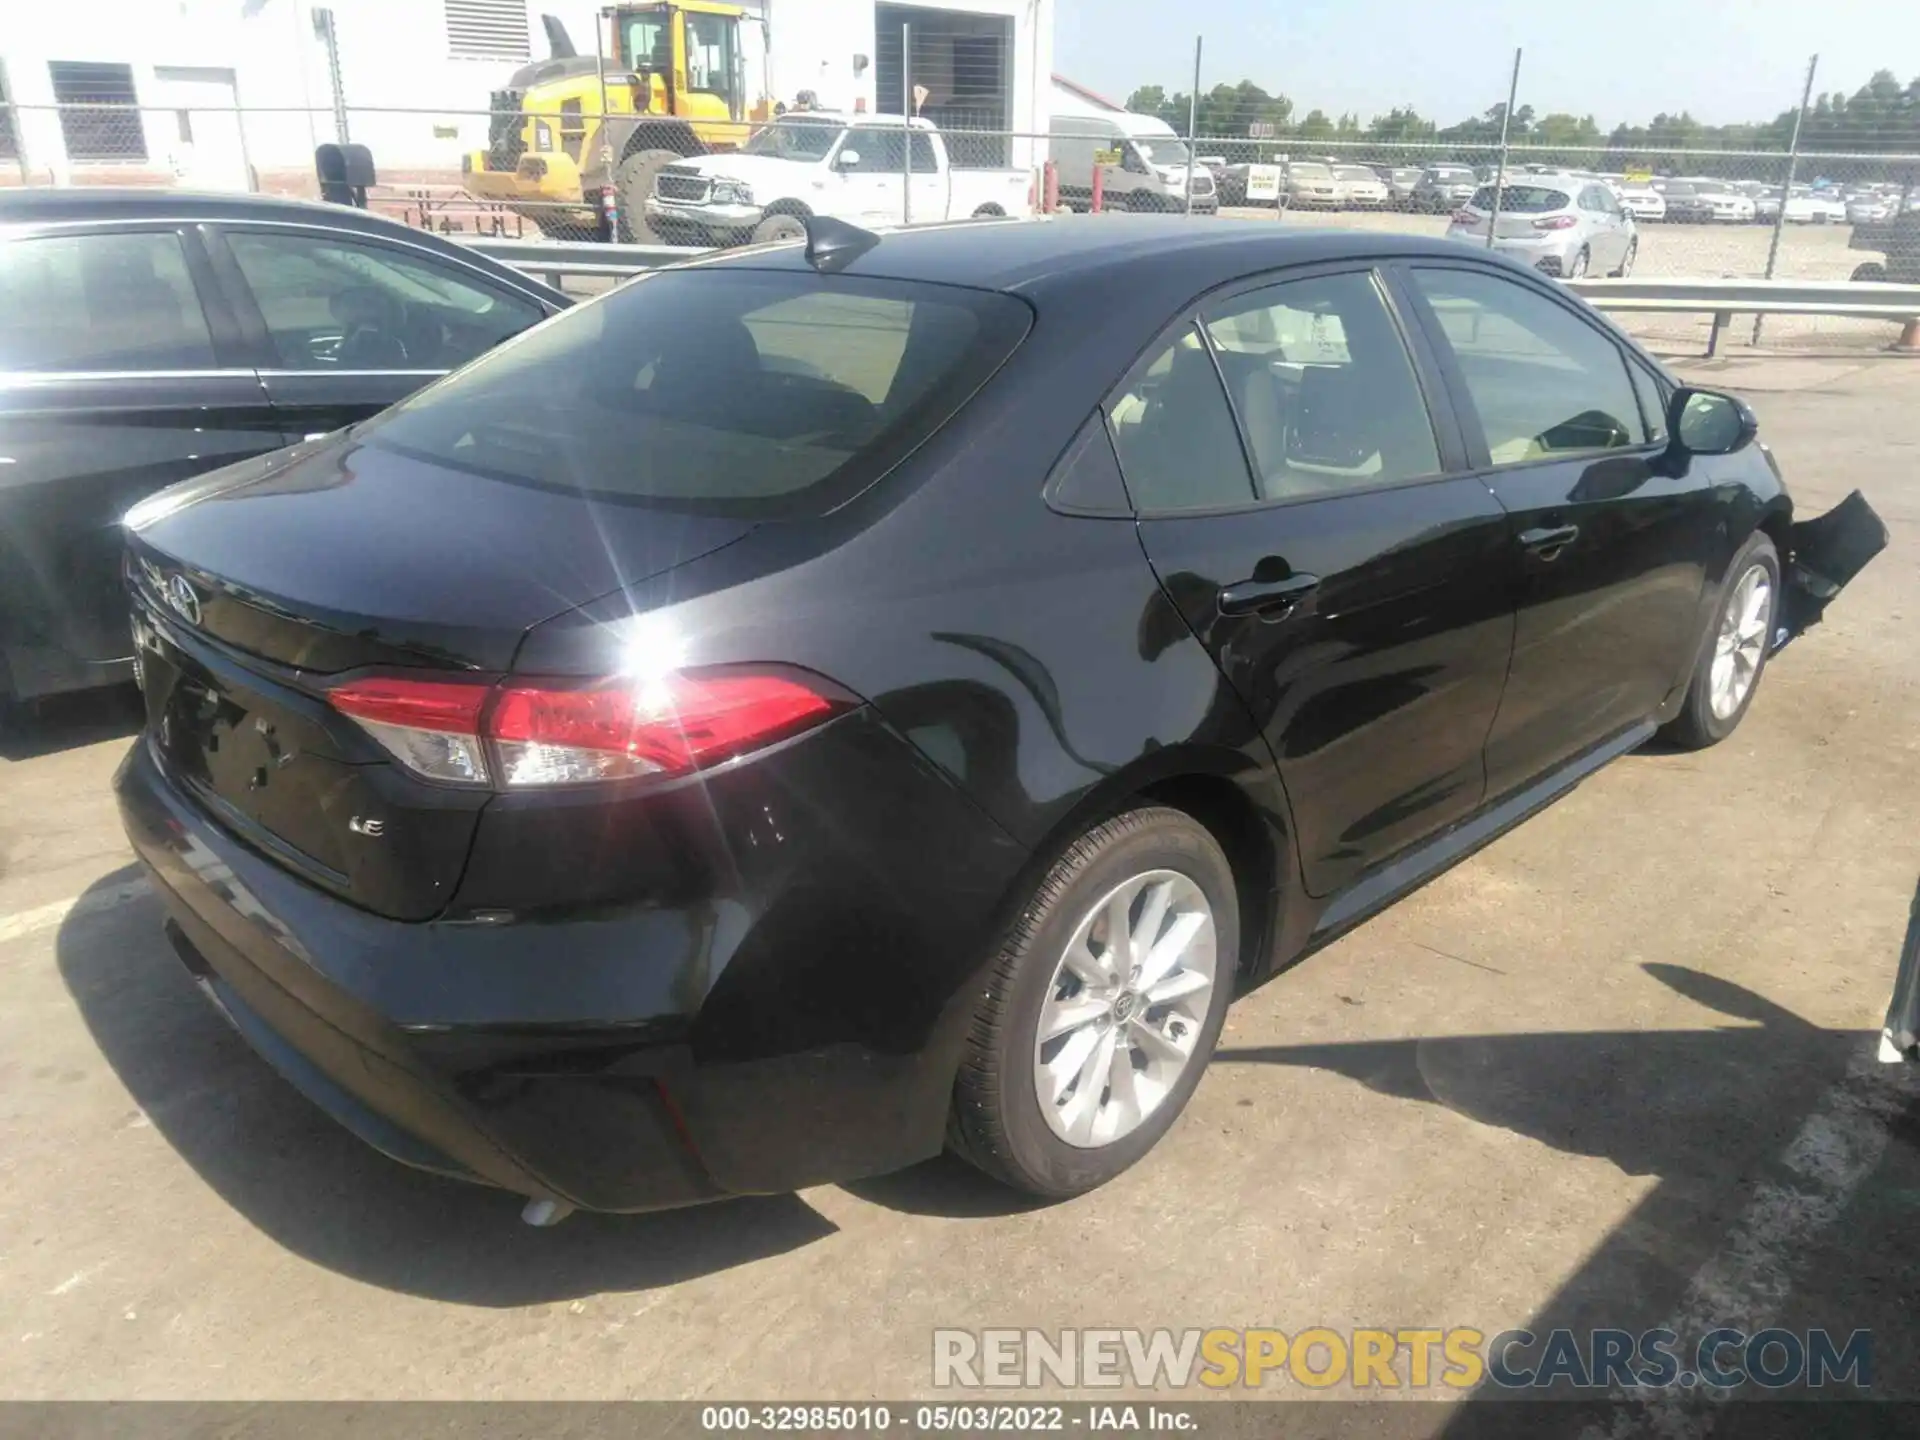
[[149, 335], [843, 699]]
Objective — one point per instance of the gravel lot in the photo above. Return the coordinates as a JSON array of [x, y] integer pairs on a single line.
[[1615, 1069]]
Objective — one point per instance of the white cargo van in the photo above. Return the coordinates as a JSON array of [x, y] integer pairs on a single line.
[[1149, 170]]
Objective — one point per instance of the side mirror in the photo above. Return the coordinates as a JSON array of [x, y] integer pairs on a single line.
[[1705, 422], [846, 160]]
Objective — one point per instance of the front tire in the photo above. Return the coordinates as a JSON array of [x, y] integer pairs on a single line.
[[779, 226], [1733, 653], [1626, 260], [1101, 1006], [633, 182]]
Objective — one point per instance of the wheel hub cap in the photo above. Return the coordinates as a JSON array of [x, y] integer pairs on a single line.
[[1124, 1010], [1740, 643]]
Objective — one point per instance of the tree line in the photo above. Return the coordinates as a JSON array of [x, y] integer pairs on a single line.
[[1881, 117]]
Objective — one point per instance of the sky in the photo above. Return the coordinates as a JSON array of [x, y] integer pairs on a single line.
[[1625, 60]]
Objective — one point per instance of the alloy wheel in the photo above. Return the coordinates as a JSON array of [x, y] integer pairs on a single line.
[[1740, 644], [1125, 1008]]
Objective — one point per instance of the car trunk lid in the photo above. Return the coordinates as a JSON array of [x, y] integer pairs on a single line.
[[256, 588]]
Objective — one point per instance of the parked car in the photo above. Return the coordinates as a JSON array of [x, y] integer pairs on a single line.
[[1559, 224], [1869, 209], [1897, 242], [849, 167], [1687, 202], [1641, 201], [1360, 189], [1806, 206], [150, 335], [1442, 188], [676, 756], [1311, 185], [1401, 181], [1715, 202], [1155, 166]]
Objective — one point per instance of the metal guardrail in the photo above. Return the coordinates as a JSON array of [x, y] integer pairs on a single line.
[[1723, 299], [1754, 297], [555, 258]]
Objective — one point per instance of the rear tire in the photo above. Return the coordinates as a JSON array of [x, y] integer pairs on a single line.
[[1733, 652], [1131, 1045], [1578, 270]]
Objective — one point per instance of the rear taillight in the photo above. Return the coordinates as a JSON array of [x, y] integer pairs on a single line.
[[1465, 217], [1555, 222], [430, 726], [515, 734]]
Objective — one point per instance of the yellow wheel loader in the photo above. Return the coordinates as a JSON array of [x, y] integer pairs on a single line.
[[672, 84]]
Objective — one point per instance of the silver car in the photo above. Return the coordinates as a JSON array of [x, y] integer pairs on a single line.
[[1559, 224], [1360, 188], [1444, 187]]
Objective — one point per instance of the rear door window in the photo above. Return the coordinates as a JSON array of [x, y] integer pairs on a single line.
[[107, 301], [1175, 434], [1323, 386], [763, 394]]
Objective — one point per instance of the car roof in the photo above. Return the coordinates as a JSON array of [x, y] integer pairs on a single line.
[[41, 205], [1059, 252], [102, 204]]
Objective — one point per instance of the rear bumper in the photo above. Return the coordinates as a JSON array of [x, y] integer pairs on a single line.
[[619, 1059]]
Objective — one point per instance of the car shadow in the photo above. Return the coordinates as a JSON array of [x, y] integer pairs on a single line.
[[1725, 1119], [944, 1186], [325, 1195], [66, 722]]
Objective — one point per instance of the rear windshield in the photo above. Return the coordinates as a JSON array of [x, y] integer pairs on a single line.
[[761, 394], [1521, 199]]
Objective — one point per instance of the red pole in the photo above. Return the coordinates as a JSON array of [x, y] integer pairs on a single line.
[[1099, 190], [1050, 192]]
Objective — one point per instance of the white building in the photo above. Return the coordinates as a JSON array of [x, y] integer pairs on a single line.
[[1070, 98], [239, 92]]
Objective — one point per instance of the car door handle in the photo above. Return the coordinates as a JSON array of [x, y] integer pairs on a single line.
[[1549, 541], [1264, 597]]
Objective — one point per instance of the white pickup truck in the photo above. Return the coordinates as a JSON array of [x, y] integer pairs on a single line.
[[849, 167]]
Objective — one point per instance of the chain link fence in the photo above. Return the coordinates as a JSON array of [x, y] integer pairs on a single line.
[[519, 170]]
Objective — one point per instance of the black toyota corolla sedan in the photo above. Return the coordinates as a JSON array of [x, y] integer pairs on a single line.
[[814, 706]]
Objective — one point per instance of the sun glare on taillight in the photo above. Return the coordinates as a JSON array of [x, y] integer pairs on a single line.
[[1556, 222], [530, 733]]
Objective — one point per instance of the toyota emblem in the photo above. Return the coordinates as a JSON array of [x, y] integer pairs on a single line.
[[185, 603]]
